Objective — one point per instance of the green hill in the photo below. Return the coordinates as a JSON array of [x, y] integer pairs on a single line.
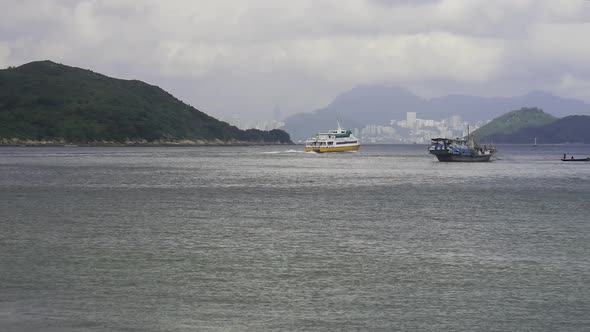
[[513, 122], [46, 101], [571, 129], [525, 125]]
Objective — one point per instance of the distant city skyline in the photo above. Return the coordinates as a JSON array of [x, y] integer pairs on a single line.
[[415, 130]]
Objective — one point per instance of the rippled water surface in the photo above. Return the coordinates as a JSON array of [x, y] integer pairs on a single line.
[[270, 238]]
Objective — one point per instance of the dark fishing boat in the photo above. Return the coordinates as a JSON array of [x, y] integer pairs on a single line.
[[574, 159], [460, 150]]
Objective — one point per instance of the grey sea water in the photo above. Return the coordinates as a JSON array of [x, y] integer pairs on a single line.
[[273, 239]]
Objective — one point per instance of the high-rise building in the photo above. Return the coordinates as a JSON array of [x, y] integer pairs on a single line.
[[411, 119], [455, 122]]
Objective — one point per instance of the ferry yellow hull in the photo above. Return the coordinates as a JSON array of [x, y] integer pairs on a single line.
[[332, 149]]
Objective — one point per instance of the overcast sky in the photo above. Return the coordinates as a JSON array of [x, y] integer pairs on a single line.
[[243, 57]]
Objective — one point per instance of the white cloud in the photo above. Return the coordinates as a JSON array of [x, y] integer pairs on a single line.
[[573, 86], [561, 43], [427, 56], [263, 46]]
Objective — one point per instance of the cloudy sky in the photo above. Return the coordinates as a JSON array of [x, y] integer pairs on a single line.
[[244, 57]]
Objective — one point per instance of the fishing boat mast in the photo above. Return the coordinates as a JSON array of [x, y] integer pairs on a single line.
[[470, 139]]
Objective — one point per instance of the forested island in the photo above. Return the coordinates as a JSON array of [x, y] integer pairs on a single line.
[[528, 125], [45, 103]]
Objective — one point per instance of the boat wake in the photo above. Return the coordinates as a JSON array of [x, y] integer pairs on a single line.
[[285, 151]]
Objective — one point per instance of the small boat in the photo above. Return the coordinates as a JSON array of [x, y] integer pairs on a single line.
[[336, 140], [460, 150], [574, 159], [535, 143]]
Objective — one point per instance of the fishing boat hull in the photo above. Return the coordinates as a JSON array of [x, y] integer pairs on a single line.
[[583, 159], [460, 150], [323, 149], [445, 156]]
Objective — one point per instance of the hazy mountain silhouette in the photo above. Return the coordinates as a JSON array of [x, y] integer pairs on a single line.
[[366, 105]]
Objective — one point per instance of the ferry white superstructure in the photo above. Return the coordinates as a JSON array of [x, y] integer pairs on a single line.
[[336, 140]]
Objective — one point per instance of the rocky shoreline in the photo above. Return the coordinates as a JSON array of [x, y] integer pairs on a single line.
[[156, 143]]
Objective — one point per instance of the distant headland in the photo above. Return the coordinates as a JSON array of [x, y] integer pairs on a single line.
[[532, 125], [44, 103]]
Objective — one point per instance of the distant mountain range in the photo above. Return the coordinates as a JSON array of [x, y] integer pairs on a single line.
[[365, 105], [48, 103], [524, 125]]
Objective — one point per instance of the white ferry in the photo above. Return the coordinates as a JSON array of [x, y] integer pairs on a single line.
[[337, 140]]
